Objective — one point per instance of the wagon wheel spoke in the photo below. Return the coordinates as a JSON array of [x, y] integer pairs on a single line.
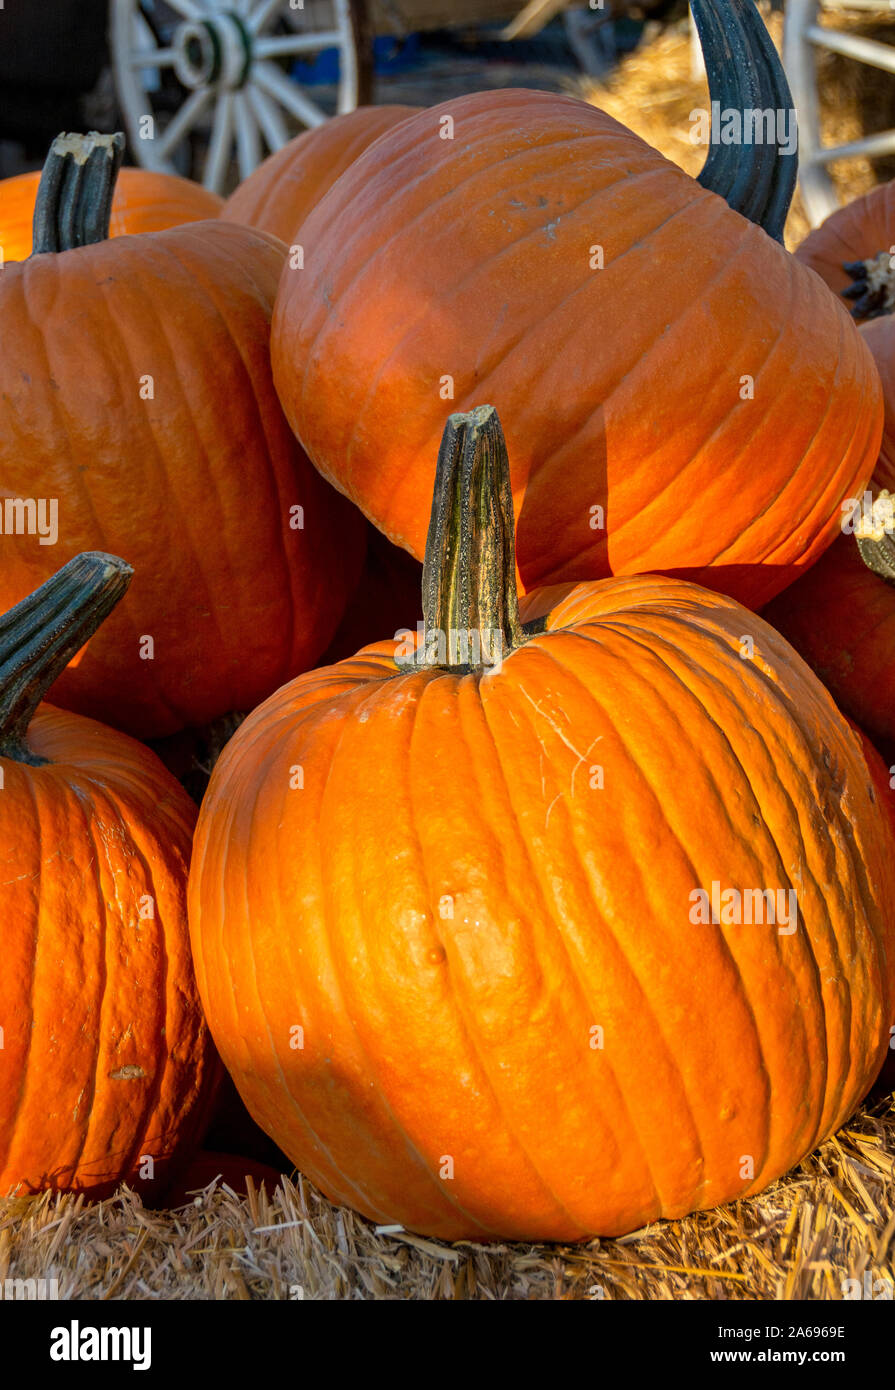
[[804, 37], [262, 13], [267, 114], [220, 145], [297, 43], [182, 123], [188, 9], [248, 141], [868, 51], [271, 80], [152, 58], [869, 146]]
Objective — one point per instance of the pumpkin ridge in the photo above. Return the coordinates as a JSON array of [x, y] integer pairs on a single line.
[[830, 1101], [769, 503], [86, 798], [413, 223], [636, 636], [442, 1192], [155, 450], [555, 930], [218, 307], [272, 757], [794, 478], [478, 1047], [559, 928], [657, 500], [480, 387], [162, 982], [30, 995], [622, 629]]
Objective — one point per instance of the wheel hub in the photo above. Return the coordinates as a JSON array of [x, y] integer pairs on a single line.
[[213, 52]]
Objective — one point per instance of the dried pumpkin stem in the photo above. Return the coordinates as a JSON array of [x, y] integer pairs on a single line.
[[875, 536], [74, 200], [41, 635], [873, 289], [470, 606], [755, 177]]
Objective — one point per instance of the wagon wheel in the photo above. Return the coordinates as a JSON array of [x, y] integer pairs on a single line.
[[188, 68], [803, 35], [591, 37]]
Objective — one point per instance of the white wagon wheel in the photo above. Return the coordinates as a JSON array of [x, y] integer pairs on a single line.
[[185, 67], [803, 35]]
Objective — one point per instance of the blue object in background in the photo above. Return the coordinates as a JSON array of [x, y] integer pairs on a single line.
[[389, 55]]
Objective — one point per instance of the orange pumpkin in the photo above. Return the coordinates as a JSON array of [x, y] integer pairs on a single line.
[[451, 901], [107, 1068], [281, 192], [135, 390], [840, 616], [852, 251], [143, 202], [681, 395]]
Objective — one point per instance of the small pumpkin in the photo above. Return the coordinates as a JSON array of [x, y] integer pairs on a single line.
[[136, 398], [681, 395], [442, 899], [840, 617], [144, 201], [107, 1070], [280, 193], [852, 252]]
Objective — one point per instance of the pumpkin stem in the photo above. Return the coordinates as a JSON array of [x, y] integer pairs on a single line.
[[874, 535], [754, 176], [470, 605], [873, 288], [41, 635], [74, 199]]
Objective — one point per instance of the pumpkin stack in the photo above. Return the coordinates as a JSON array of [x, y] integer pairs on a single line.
[[568, 907]]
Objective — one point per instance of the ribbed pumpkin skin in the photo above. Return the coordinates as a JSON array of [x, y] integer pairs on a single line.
[[856, 232], [620, 387], [280, 193], [89, 990], [143, 202], [840, 617], [429, 1036], [879, 335], [194, 487]]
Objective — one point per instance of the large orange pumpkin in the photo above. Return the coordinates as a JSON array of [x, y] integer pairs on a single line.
[[135, 390], [452, 912], [281, 192], [681, 394], [106, 1065], [144, 201]]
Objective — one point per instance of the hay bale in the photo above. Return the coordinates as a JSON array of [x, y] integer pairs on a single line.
[[653, 91], [830, 1220]]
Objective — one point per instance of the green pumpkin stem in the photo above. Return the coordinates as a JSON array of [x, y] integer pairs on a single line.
[[74, 199], [41, 635], [470, 605], [745, 74]]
